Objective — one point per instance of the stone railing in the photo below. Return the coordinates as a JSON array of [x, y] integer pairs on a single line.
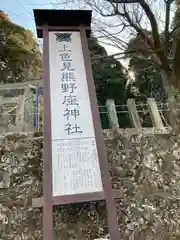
[[158, 126], [18, 112]]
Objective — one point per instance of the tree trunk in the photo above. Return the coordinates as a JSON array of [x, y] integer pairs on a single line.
[[173, 114]]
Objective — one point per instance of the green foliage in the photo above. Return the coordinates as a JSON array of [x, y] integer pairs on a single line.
[[147, 76], [110, 81], [20, 57], [148, 79]]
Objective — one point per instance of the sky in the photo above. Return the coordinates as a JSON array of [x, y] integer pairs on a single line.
[[21, 12]]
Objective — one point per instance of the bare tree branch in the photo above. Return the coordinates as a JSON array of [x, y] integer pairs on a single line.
[[123, 1], [167, 21], [156, 43], [123, 56]]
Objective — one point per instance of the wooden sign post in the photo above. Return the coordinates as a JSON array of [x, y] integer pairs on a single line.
[[75, 163]]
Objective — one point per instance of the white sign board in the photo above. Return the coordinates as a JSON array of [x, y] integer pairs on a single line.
[[75, 161]]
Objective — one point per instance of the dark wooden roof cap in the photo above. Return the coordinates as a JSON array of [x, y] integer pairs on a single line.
[[61, 18]]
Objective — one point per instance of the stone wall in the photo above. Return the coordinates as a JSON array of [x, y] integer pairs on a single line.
[[145, 168]]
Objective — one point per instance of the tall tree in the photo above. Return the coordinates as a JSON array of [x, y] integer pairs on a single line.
[[109, 76], [148, 79], [118, 20], [110, 79], [20, 58]]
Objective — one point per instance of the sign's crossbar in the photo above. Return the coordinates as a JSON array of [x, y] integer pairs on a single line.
[[78, 198]]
